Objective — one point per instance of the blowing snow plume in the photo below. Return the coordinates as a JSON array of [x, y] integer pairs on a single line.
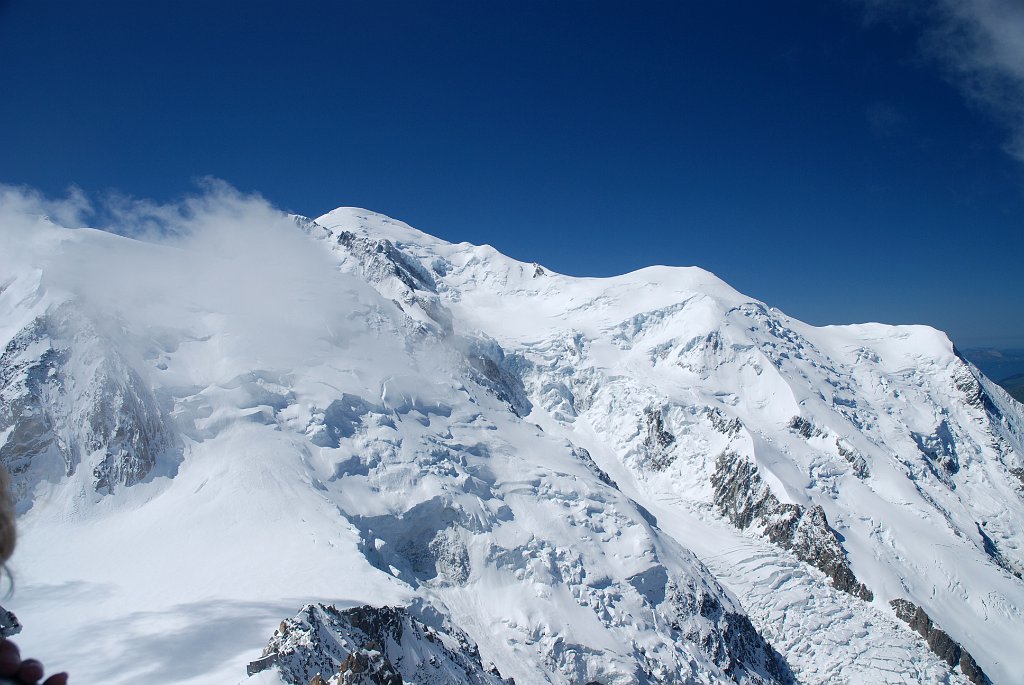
[[219, 264]]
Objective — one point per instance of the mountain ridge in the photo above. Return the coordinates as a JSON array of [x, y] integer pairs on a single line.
[[414, 377]]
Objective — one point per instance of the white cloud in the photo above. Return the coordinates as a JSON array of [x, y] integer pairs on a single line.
[[979, 44], [217, 265], [23, 201]]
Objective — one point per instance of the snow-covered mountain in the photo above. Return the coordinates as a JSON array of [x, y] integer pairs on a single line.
[[340, 450]]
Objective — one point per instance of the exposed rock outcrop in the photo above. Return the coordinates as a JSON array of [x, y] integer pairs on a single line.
[[70, 399], [1019, 473], [498, 373], [9, 623], [657, 441], [584, 456], [939, 449], [804, 427], [965, 380], [736, 647], [742, 496], [372, 646], [939, 641], [854, 458], [411, 286]]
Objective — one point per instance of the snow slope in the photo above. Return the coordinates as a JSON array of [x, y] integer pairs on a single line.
[[648, 478], [913, 455]]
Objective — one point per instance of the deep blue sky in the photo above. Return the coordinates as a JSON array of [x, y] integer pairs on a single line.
[[812, 159]]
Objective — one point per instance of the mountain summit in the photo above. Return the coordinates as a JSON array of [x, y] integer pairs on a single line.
[[278, 449]]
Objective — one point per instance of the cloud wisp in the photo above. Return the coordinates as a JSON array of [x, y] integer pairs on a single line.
[[978, 45], [219, 265]]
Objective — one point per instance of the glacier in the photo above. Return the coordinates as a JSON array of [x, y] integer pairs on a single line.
[[270, 448]]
